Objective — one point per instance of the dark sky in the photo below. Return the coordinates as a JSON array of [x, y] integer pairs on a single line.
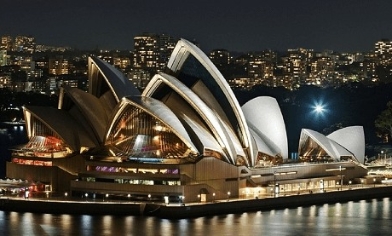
[[340, 25]]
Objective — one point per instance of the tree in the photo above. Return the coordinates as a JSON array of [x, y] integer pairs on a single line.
[[383, 123]]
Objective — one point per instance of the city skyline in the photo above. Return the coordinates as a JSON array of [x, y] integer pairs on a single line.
[[342, 26]]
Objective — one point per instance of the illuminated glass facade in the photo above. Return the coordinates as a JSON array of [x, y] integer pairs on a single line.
[[139, 135]]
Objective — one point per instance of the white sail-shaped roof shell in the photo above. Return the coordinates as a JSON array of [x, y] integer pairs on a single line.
[[69, 130], [207, 140], [92, 109], [118, 83], [215, 92], [224, 135], [353, 139], [265, 118], [261, 145], [332, 148]]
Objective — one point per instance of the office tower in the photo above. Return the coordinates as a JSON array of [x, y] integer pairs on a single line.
[[151, 51], [383, 50], [297, 63], [3, 58], [58, 66], [6, 43], [220, 57], [24, 44], [321, 71]]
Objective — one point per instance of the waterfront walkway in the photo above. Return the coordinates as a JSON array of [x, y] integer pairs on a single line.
[[68, 205], [107, 200]]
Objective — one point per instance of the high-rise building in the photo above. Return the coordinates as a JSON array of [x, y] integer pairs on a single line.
[[5, 81], [24, 44], [122, 63], [383, 46], [220, 57], [42, 63], [321, 72], [261, 72], [3, 58], [297, 63], [383, 50], [6, 43], [261, 67], [145, 52], [26, 63], [166, 44], [58, 66], [139, 78], [151, 51]]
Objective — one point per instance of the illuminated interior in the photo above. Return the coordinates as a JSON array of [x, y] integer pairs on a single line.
[[313, 152], [138, 136], [44, 146]]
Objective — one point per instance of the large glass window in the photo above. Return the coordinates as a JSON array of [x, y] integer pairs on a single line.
[[141, 137], [312, 152], [44, 142]]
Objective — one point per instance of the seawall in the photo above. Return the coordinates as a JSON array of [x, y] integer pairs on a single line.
[[231, 207], [176, 211]]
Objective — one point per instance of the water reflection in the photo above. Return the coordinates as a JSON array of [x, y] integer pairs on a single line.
[[9, 136], [352, 218], [386, 210]]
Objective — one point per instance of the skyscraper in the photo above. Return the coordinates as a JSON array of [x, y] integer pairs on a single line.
[[383, 50], [151, 51], [24, 44], [297, 62], [6, 43]]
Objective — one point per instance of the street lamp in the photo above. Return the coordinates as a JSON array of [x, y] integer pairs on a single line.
[[213, 195], [274, 183], [228, 195], [385, 157], [374, 182], [341, 178], [322, 185]]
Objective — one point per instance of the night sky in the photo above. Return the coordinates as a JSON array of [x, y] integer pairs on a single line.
[[340, 25]]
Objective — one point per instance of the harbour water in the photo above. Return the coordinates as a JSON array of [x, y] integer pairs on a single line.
[[10, 136], [372, 217]]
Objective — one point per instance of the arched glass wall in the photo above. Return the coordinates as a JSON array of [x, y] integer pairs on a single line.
[[311, 151], [44, 142], [138, 136]]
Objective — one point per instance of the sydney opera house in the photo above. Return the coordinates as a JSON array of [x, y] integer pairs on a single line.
[[185, 137]]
